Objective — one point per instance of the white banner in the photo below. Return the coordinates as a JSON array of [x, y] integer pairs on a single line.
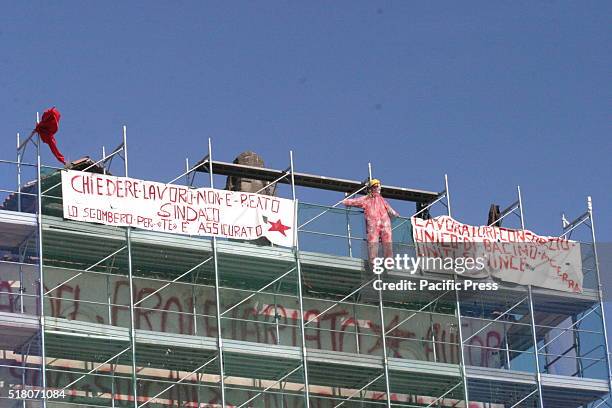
[[128, 202], [104, 299], [100, 298], [517, 256]]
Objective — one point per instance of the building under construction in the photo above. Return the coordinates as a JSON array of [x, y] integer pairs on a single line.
[[101, 316]]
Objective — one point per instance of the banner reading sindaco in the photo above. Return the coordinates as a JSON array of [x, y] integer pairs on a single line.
[[128, 202]]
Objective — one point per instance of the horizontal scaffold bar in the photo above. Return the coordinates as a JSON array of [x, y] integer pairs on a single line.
[[313, 181]]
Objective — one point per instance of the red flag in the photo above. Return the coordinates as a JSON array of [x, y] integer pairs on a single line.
[[47, 128]]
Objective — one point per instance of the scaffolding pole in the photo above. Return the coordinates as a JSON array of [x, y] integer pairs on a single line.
[[128, 239], [447, 194], [296, 251], [532, 313], [535, 347], [382, 329], [19, 155], [217, 292], [512, 208], [41, 273], [599, 288], [458, 306]]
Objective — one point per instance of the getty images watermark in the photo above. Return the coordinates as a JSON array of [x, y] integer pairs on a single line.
[[551, 264], [407, 264]]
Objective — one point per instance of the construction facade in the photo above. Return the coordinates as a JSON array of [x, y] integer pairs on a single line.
[[99, 316]]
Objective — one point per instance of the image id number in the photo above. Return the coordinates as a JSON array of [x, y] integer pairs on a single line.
[[36, 394]]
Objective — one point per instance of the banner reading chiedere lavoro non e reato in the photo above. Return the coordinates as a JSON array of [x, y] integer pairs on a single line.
[[123, 201]]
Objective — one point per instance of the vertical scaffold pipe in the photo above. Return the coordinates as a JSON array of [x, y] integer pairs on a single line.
[[348, 232], [599, 287], [535, 347], [21, 254], [448, 201], [19, 155], [458, 307], [520, 206], [103, 160], [461, 350], [383, 329], [128, 239], [531, 312], [193, 277], [39, 218], [298, 267], [217, 292]]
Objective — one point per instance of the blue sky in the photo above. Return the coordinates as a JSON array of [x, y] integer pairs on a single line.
[[493, 93]]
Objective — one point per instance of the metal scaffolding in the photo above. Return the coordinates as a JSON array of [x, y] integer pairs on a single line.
[[117, 358]]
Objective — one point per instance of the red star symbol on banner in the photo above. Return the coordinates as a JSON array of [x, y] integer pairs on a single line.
[[278, 226]]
